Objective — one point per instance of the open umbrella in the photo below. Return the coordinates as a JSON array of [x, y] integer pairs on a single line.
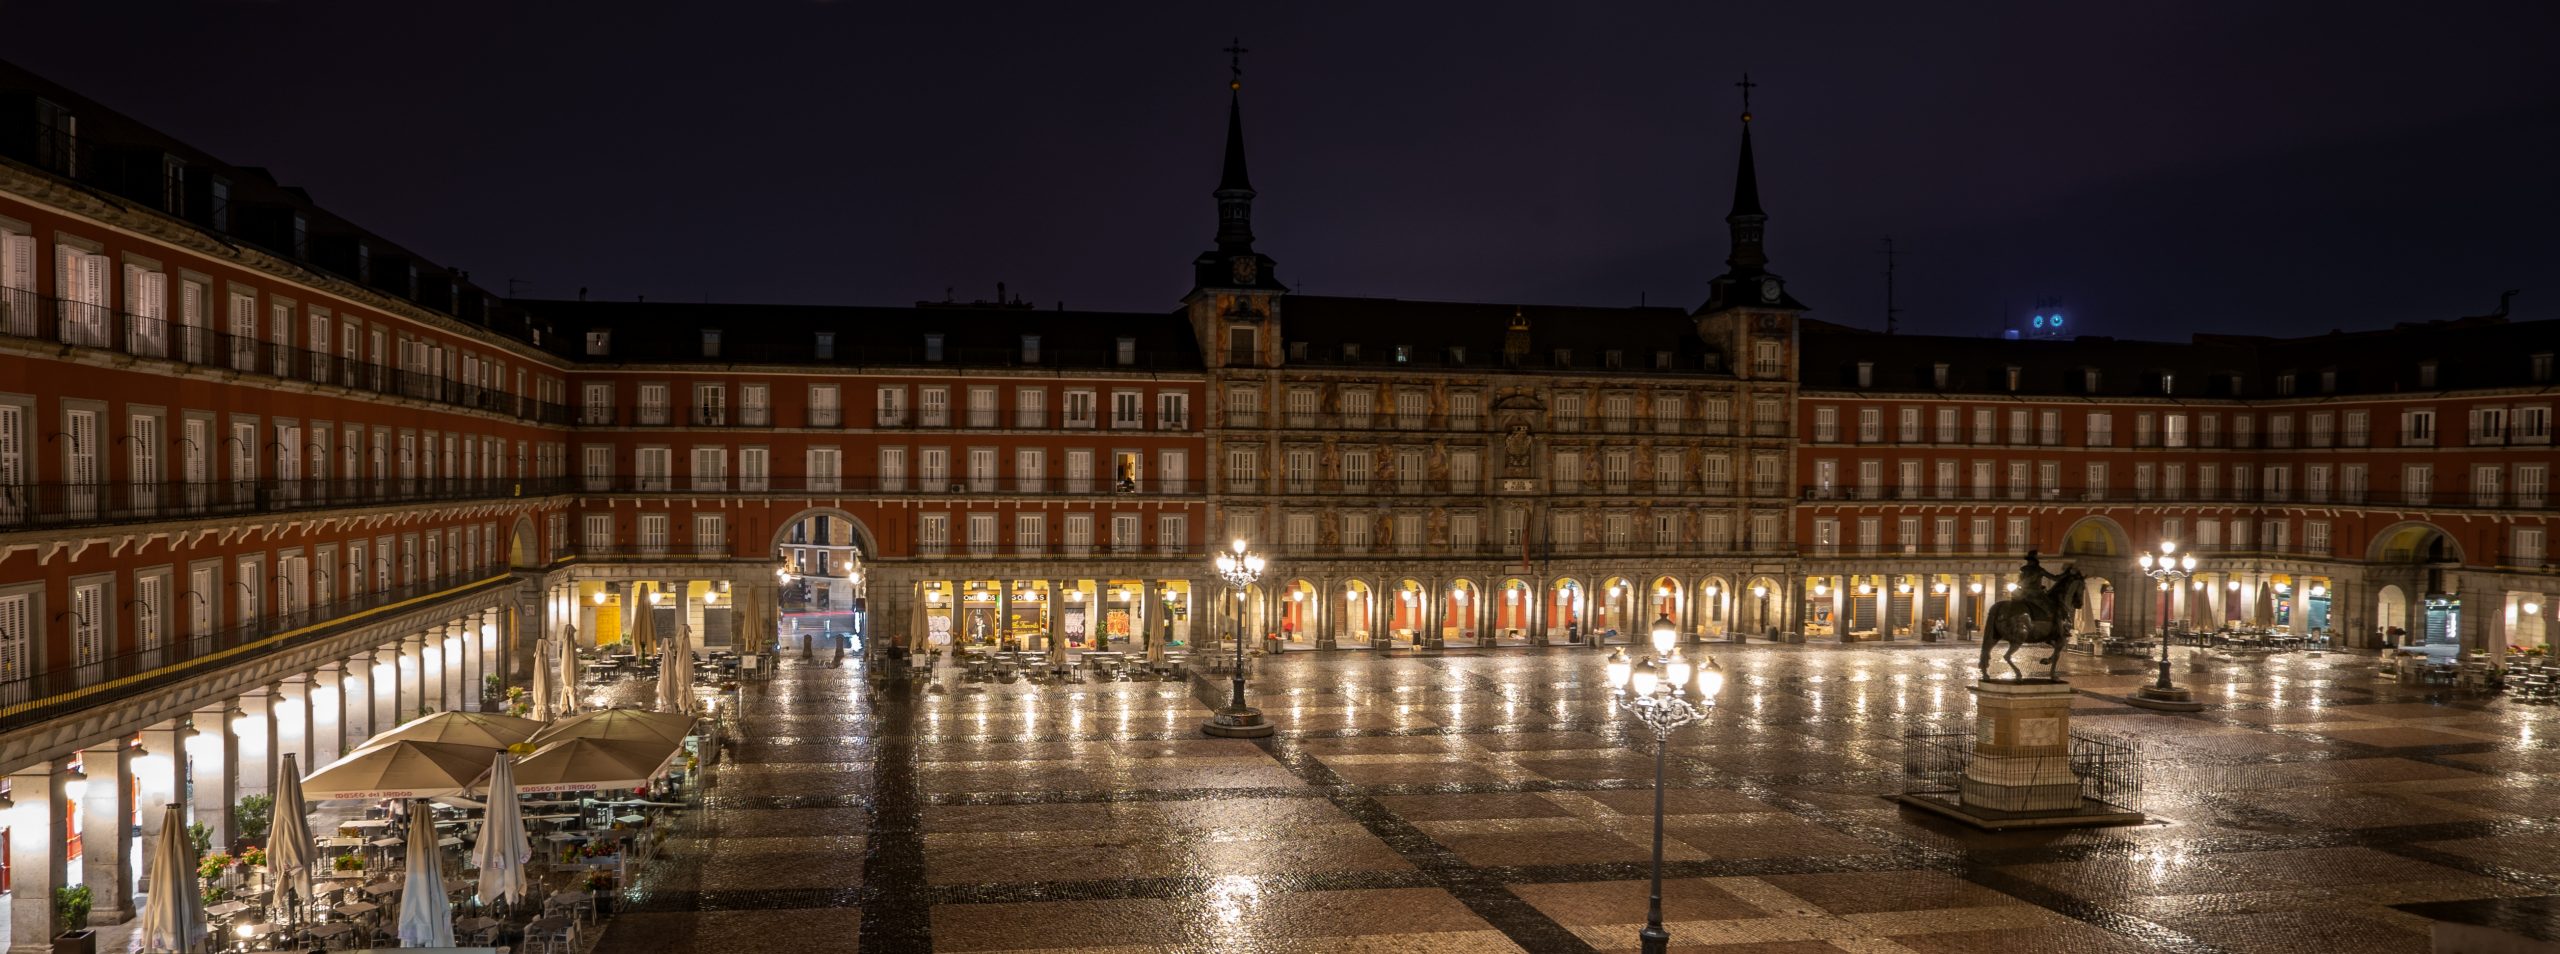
[[502, 850], [579, 764], [289, 852], [403, 769], [617, 725], [426, 918], [173, 919], [542, 678], [675, 673], [488, 730]]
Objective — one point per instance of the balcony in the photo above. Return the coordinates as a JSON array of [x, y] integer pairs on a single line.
[[944, 486], [25, 316], [1893, 493], [26, 506], [63, 689]]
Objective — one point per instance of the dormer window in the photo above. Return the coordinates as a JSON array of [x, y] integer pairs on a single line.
[[2012, 375], [1662, 361], [1564, 357], [1938, 375], [2329, 381], [1457, 354], [1866, 374], [599, 343], [710, 343], [2168, 382], [2426, 374], [1297, 351], [1127, 349], [1404, 354], [2089, 381], [933, 347], [1031, 349], [1350, 351], [2284, 383], [1613, 359], [2539, 366], [826, 346]]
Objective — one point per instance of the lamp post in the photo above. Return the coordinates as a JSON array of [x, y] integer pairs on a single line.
[[1240, 569], [1656, 692], [2166, 570]]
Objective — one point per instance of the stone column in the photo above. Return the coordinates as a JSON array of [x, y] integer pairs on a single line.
[[325, 696], [160, 777], [456, 676], [256, 728], [294, 718], [2298, 605], [472, 666], [38, 825], [1839, 606], [1149, 610], [212, 757], [106, 812], [409, 674], [389, 686], [1004, 612]]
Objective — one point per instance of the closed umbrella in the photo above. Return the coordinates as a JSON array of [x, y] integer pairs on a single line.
[[675, 674], [502, 850], [644, 629], [289, 852], [404, 769], [426, 918], [173, 918], [542, 679], [568, 704]]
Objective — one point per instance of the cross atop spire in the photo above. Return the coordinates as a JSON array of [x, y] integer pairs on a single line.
[[1235, 63], [1746, 86]]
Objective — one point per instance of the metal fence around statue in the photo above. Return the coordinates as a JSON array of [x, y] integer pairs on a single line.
[[1934, 761]]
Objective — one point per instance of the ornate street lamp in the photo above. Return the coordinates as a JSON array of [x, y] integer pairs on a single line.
[[1241, 569], [2166, 570], [1657, 692]]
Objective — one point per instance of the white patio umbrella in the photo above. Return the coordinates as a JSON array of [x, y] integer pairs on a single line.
[[502, 850], [542, 679], [403, 769], [426, 918], [488, 730], [584, 764], [173, 919], [675, 673], [289, 853], [617, 725]]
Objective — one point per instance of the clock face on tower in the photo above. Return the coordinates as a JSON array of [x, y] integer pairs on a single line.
[[1769, 290], [1246, 269]]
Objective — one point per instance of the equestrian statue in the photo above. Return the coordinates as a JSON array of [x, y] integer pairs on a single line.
[[2040, 612]]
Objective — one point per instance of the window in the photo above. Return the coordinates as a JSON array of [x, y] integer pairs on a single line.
[[2426, 374], [1173, 468], [1413, 410], [2418, 428], [1908, 425], [710, 468], [933, 470], [1128, 409], [1031, 349], [933, 532], [1172, 532], [150, 603], [893, 469], [2315, 537], [1244, 468], [1567, 472], [2533, 481], [1030, 407], [1079, 409], [2488, 425], [825, 346], [1356, 467], [1826, 424], [17, 626], [933, 347], [2528, 547], [2102, 429], [2539, 367], [1568, 412], [826, 467], [1079, 534], [1126, 350], [1079, 472], [890, 407], [2417, 482], [1866, 374], [1173, 410], [982, 407], [755, 469], [1616, 412], [982, 534], [710, 534], [1985, 426], [1666, 472], [1870, 425], [1298, 469], [1765, 359], [1938, 376], [652, 467], [710, 405], [933, 407], [1030, 533], [2018, 421], [1124, 533], [710, 343]]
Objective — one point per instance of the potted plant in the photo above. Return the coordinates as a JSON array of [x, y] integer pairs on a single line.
[[254, 814], [71, 911], [346, 862]]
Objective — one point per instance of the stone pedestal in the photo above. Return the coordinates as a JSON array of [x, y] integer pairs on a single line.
[[2021, 749], [2019, 773]]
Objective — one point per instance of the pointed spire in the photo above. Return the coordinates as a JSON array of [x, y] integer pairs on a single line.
[[1746, 219], [1235, 188]]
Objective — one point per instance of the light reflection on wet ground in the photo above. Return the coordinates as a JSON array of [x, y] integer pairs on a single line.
[[1490, 801]]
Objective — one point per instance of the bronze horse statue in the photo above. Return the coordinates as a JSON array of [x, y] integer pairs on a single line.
[[2020, 621]]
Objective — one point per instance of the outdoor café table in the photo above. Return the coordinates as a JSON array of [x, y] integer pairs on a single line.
[[226, 909], [631, 819], [366, 823], [341, 841], [392, 841], [473, 926], [357, 909], [331, 929]]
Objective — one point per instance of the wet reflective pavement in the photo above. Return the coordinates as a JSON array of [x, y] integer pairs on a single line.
[[1492, 801]]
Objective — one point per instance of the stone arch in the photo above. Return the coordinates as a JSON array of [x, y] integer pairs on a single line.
[[524, 547], [2096, 536], [2414, 541], [862, 536]]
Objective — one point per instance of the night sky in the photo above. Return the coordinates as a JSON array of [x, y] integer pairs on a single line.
[[2159, 169]]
